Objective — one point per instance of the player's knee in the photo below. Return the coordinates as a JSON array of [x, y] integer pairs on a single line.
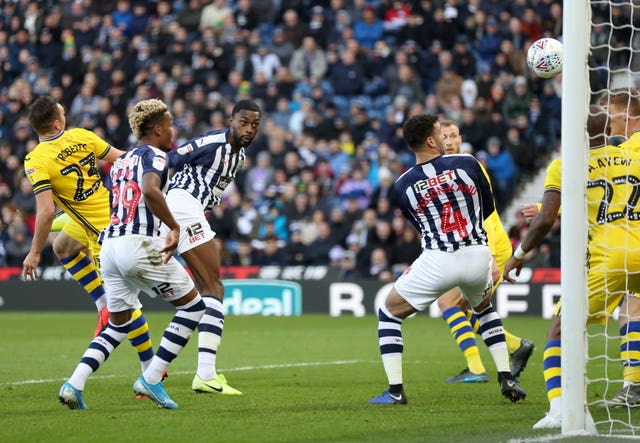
[[64, 246], [443, 304]]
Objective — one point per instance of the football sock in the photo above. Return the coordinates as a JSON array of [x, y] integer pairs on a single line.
[[391, 345], [551, 364], [84, 272], [139, 338], [175, 337], [97, 352], [465, 338], [630, 351], [513, 341], [209, 337], [492, 334]]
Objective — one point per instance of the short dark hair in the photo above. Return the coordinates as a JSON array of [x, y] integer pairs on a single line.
[[627, 97], [597, 126], [248, 105], [42, 113], [417, 128]]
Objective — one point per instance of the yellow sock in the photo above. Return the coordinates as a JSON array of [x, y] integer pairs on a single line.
[[139, 338], [462, 332], [474, 362], [513, 342]]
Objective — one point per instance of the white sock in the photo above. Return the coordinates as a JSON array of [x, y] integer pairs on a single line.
[[209, 338]]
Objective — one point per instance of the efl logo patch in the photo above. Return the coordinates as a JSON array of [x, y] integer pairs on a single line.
[[159, 163]]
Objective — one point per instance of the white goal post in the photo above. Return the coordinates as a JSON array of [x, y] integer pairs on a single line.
[[575, 142]]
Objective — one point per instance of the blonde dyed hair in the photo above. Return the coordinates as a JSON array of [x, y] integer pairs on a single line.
[[145, 115]]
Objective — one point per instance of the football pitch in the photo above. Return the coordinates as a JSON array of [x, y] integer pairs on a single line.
[[303, 378]]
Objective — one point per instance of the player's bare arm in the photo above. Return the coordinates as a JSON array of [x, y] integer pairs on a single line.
[[45, 212], [157, 204], [112, 154], [538, 230]]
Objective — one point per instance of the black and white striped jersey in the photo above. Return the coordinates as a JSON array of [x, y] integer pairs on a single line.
[[130, 214], [447, 200], [205, 166]]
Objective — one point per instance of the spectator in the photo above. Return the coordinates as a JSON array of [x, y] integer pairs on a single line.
[[296, 252], [347, 78], [294, 29], [246, 17], [320, 247], [265, 61], [517, 100], [407, 84], [464, 61], [357, 187], [17, 246], [308, 63], [260, 176], [489, 44], [405, 250], [24, 199], [501, 164], [369, 29], [280, 46], [319, 26], [244, 254], [379, 263], [271, 254], [214, 14], [395, 18]]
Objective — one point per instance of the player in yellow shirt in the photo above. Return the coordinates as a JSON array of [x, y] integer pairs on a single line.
[[455, 311], [63, 170], [614, 231]]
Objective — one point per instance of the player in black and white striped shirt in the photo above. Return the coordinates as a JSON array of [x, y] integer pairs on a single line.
[[447, 199], [131, 259], [204, 167]]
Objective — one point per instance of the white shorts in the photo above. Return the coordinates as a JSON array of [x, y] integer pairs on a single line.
[[131, 264], [435, 272], [194, 227]]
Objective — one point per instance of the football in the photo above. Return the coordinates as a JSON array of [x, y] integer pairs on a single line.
[[544, 57]]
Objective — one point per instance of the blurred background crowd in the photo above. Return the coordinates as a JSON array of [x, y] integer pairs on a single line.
[[335, 80]]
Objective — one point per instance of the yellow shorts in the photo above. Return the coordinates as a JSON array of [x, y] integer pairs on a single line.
[[87, 238], [606, 292], [502, 257]]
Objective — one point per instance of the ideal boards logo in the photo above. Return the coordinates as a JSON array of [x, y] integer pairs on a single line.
[[262, 297]]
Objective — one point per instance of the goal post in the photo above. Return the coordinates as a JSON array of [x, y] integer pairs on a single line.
[[574, 146]]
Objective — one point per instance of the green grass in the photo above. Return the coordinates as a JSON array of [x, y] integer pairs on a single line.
[[304, 379]]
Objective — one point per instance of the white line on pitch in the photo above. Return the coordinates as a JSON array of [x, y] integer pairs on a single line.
[[241, 368]]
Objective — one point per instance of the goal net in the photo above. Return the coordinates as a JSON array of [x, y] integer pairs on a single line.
[[600, 363]]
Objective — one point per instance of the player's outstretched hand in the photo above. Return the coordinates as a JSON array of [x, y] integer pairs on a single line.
[[30, 266], [530, 211], [171, 243], [513, 263]]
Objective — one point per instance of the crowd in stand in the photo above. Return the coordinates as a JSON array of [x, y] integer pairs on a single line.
[[335, 80]]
